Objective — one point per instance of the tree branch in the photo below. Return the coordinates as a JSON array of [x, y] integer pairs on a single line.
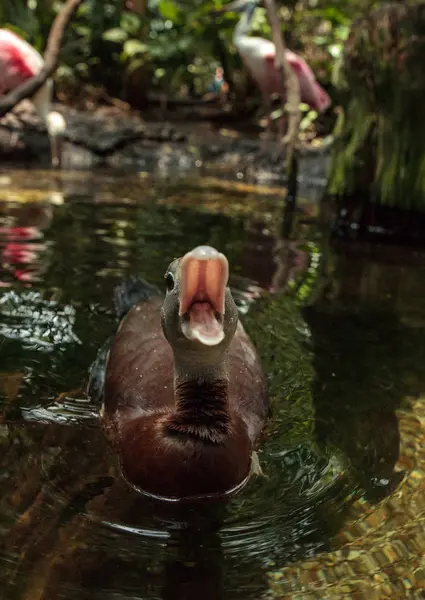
[[51, 56], [290, 81]]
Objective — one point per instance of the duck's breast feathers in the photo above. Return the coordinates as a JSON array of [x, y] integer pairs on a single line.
[[131, 292]]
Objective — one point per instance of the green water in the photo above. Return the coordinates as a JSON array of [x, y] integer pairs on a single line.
[[70, 528]]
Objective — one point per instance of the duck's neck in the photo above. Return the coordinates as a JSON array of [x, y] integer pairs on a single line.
[[201, 402]]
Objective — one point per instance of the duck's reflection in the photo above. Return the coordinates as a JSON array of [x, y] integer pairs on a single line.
[[188, 543], [194, 569], [81, 533]]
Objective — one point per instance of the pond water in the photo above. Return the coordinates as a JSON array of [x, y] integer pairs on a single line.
[[339, 511]]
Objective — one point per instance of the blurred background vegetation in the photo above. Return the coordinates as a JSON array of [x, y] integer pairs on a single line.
[[173, 47], [367, 55]]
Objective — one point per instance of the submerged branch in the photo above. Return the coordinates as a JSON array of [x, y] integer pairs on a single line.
[[290, 80], [51, 56]]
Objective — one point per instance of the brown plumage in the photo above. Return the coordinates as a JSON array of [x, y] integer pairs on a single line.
[[184, 394]]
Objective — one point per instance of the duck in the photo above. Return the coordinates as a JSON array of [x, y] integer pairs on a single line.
[[184, 395]]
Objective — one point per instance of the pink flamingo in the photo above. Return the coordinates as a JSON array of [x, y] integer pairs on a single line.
[[18, 62], [258, 55]]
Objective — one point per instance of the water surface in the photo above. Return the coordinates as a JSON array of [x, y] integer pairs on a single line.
[[341, 361]]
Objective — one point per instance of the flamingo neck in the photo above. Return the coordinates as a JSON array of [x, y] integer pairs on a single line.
[[54, 121], [42, 100], [244, 26]]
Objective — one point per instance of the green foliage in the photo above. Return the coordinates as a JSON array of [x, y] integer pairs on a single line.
[[381, 131], [174, 43]]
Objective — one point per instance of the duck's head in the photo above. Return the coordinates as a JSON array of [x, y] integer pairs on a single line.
[[199, 315]]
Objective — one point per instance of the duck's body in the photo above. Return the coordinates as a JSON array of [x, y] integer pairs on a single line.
[[183, 413]]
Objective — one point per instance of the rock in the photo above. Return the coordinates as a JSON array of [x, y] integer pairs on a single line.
[[146, 155], [119, 139]]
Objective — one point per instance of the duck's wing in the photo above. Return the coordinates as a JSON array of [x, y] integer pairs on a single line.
[[97, 373], [131, 292], [126, 295]]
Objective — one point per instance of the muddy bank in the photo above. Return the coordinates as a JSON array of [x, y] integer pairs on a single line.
[[110, 137]]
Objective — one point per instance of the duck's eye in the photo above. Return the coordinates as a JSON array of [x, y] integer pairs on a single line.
[[169, 279]]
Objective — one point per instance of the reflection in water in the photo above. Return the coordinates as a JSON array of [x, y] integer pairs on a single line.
[[368, 397], [21, 252], [70, 527], [35, 322], [349, 375]]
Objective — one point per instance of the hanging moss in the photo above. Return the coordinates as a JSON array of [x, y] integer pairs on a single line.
[[380, 133]]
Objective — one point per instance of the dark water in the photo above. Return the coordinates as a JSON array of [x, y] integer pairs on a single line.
[[340, 359]]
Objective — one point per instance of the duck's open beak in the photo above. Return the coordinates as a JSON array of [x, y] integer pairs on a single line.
[[204, 273]]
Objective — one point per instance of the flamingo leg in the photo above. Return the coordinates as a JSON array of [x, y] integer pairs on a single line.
[[14, 138], [268, 129], [280, 134]]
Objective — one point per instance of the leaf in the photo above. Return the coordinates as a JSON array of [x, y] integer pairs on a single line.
[[168, 9], [308, 120], [130, 23], [342, 32], [335, 50], [136, 64], [115, 35], [83, 30], [320, 40], [133, 47]]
